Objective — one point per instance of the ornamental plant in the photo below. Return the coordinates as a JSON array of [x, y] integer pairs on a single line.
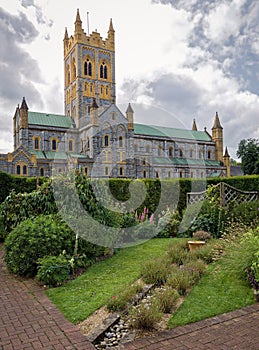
[[53, 270]]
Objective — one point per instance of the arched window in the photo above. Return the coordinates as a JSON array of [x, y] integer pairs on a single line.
[[159, 151], [105, 72], [169, 174], [157, 174], [106, 172], [144, 174], [191, 153], [147, 148], [209, 154], [54, 145], [90, 68], [120, 141], [85, 68], [106, 141], [18, 170], [86, 171], [24, 170], [121, 171], [181, 153], [170, 151], [41, 171], [70, 145], [74, 69], [36, 143]]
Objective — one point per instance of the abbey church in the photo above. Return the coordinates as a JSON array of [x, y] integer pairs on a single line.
[[95, 137]]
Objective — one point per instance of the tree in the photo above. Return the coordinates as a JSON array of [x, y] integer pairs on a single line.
[[248, 151]]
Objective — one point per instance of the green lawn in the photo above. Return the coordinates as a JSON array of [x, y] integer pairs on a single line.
[[219, 291], [80, 298]]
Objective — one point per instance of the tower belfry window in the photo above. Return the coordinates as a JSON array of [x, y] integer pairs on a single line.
[[88, 68], [103, 71]]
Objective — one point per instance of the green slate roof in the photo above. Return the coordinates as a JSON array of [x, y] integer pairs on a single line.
[[162, 131], [55, 155], [54, 120], [184, 161]]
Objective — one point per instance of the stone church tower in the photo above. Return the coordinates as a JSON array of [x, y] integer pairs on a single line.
[[89, 66]]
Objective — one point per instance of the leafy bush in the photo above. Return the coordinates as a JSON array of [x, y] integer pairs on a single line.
[[241, 253], [169, 224], [34, 239], [255, 266], [41, 236], [155, 271], [3, 233], [246, 212], [120, 301], [53, 270], [145, 316], [19, 207], [19, 184], [166, 298]]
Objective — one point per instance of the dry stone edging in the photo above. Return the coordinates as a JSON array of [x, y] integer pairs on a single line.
[[99, 333]]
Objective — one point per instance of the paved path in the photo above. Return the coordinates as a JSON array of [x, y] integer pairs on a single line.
[[237, 330], [28, 320]]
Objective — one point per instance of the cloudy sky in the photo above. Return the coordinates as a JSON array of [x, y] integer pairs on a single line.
[[190, 58]]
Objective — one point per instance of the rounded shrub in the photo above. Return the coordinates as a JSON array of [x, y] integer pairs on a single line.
[[3, 232], [34, 239], [53, 270]]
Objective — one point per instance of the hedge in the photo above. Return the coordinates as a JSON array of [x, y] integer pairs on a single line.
[[17, 183], [158, 194]]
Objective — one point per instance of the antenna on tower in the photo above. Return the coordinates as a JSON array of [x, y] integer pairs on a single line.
[[88, 23]]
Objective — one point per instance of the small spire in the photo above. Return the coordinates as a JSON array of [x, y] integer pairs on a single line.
[[194, 126], [24, 104], [226, 153], [217, 122], [129, 109], [78, 19], [66, 34], [111, 26], [78, 23]]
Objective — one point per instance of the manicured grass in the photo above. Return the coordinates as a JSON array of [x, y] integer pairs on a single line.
[[219, 291], [80, 298]]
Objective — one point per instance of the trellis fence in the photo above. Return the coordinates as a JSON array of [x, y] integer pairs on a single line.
[[227, 194]]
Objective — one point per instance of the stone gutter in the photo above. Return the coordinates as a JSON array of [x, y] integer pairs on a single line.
[[99, 332]]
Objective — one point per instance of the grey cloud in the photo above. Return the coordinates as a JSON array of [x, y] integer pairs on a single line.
[[184, 100], [41, 19], [179, 95], [239, 43], [18, 70]]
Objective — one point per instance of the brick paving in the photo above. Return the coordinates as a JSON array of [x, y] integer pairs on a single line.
[[237, 330], [28, 319]]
